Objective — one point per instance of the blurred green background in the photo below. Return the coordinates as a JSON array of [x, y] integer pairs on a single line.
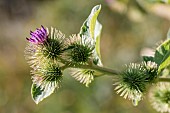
[[129, 29]]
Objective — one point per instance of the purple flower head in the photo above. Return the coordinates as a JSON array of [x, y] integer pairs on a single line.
[[39, 36]]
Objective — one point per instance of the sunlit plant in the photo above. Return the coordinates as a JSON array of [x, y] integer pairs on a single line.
[[49, 53]]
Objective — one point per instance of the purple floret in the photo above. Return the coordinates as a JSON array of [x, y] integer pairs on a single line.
[[39, 36]]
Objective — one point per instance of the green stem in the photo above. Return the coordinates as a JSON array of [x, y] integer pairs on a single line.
[[164, 79], [104, 70], [93, 67], [101, 69]]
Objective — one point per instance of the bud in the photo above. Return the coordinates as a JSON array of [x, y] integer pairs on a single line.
[[159, 97], [132, 83], [54, 46], [48, 74], [80, 49]]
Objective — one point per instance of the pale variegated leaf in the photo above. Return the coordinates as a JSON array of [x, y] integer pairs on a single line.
[[92, 28]]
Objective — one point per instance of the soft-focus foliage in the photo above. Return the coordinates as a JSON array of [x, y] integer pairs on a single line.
[[123, 36], [160, 97]]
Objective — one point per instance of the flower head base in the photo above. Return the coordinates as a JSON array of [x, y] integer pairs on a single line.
[[39, 36], [52, 72], [49, 73], [80, 53], [54, 46], [132, 83], [160, 97], [80, 49]]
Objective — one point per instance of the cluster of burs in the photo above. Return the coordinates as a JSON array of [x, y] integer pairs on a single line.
[[50, 52]]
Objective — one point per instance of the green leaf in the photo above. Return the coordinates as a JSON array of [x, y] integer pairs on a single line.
[[35, 91], [92, 28], [164, 64], [162, 55], [40, 92], [148, 58]]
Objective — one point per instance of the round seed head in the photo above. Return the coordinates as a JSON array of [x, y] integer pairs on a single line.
[[80, 49], [132, 83]]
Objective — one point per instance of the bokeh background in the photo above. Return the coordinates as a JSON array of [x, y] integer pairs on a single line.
[[130, 28]]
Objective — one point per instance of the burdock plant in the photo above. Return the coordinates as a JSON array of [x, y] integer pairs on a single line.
[[49, 53]]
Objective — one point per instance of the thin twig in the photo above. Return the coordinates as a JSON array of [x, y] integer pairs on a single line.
[[164, 80]]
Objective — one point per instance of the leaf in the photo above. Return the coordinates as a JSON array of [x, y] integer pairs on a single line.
[[162, 55], [97, 35], [88, 27], [36, 90], [168, 34], [148, 58], [40, 92], [92, 28], [164, 64]]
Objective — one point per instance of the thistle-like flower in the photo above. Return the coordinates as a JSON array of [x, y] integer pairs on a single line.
[[48, 73], [49, 51], [39, 36], [80, 49], [55, 45], [45, 80], [159, 97], [83, 76], [44, 53], [132, 83]]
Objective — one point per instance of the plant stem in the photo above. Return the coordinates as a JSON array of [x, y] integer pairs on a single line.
[[93, 67], [101, 69], [164, 79], [112, 72]]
